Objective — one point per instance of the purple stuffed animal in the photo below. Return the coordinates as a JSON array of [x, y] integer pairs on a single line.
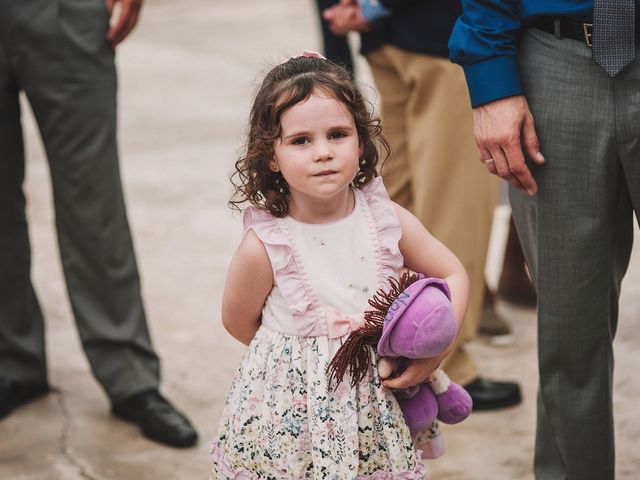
[[413, 320]]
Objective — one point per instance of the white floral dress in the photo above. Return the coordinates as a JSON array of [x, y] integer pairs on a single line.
[[282, 420]]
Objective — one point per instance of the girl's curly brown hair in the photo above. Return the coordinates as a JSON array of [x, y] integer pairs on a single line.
[[284, 86]]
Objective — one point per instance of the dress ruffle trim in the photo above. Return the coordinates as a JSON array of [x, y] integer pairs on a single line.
[[223, 465], [288, 269], [387, 230], [227, 470]]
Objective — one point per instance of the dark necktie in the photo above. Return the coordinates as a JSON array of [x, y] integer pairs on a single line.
[[613, 36]]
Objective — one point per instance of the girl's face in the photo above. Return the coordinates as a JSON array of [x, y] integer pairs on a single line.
[[319, 149]]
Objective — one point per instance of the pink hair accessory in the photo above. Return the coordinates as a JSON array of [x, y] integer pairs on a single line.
[[306, 53], [311, 53]]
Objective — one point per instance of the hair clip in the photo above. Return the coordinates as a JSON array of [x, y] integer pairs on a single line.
[[306, 53], [313, 54]]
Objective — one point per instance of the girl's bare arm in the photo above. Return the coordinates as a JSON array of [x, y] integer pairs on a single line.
[[249, 281], [423, 253]]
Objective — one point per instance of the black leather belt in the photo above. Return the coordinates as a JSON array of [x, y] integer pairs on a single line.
[[563, 27]]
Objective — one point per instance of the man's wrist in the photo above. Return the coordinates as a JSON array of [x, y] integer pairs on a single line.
[[493, 79]]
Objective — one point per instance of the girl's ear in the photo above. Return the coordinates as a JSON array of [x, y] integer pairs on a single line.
[[273, 165]]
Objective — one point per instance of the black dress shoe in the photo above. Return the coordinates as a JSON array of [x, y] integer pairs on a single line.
[[157, 419], [14, 393], [490, 395]]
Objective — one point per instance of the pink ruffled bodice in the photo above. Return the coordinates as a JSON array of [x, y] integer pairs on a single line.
[[324, 274]]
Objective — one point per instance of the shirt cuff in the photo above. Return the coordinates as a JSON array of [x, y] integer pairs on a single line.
[[492, 79], [373, 10]]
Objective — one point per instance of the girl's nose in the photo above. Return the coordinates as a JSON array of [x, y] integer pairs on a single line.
[[322, 152]]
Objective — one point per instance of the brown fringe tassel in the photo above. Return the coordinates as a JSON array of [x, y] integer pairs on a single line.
[[353, 356]]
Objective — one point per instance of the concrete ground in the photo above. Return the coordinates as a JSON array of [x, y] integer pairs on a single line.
[[186, 79]]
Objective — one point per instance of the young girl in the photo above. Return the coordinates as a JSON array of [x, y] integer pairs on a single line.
[[321, 237]]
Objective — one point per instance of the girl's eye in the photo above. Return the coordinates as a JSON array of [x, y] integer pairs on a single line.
[[336, 135], [300, 141]]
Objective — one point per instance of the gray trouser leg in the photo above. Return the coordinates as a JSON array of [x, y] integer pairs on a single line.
[[577, 235], [22, 353], [67, 71]]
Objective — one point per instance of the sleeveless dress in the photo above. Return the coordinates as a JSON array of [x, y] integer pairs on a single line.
[[282, 420]]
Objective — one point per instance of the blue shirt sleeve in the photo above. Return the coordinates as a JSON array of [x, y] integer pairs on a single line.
[[373, 10], [484, 41]]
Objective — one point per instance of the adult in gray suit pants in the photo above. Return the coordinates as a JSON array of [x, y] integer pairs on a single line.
[[61, 54], [573, 207]]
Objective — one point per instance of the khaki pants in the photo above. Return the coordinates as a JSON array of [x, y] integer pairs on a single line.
[[434, 170]]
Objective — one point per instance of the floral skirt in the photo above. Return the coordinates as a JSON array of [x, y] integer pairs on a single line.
[[281, 421]]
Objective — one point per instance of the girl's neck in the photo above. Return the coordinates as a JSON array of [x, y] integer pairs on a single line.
[[310, 210]]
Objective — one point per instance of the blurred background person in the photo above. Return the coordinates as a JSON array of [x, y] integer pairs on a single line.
[[335, 47], [61, 54], [428, 122]]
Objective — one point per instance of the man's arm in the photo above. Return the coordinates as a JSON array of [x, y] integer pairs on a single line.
[[484, 42]]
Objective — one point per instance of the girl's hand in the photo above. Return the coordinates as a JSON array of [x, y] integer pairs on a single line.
[[416, 372]]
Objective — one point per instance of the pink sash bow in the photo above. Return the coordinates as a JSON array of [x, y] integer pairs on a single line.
[[339, 324]]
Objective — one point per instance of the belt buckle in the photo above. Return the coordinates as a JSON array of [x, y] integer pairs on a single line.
[[586, 30]]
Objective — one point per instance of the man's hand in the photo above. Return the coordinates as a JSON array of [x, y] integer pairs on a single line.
[[345, 17], [129, 10], [502, 128]]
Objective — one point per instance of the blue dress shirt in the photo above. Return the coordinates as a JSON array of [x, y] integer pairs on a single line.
[[484, 41]]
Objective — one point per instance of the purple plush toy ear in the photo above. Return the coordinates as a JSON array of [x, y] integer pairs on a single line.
[[418, 403], [419, 410], [454, 402], [420, 322]]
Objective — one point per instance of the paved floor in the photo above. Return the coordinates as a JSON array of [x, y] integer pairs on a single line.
[[186, 79]]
